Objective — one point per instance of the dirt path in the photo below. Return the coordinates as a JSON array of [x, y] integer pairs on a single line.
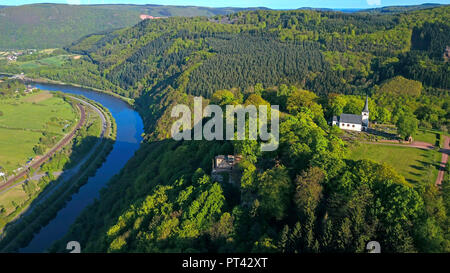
[[414, 144], [36, 164], [445, 152]]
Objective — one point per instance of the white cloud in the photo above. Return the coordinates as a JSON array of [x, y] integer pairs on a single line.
[[374, 2]]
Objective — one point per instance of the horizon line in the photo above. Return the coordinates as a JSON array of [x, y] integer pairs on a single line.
[[224, 7]]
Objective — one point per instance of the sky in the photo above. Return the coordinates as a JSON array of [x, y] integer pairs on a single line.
[[274, 4]]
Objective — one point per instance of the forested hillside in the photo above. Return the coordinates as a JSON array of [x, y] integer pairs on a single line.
[[397, 9], [327, 52], [304, 197], [56, 25]]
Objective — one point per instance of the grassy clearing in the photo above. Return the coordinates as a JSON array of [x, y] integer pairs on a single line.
[[19, 198], [426, 136], [415, 165], [50, 61], [41, 96], [12, 199], [47, 114], [25, 120], [16, 147]]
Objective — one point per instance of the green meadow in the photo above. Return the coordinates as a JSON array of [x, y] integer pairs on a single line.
[[16, 146], [429, 136], [25, 120], [416, 165], [50, 61], [18, 198]]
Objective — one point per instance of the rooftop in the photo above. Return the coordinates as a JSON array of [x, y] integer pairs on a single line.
[[349, 118]]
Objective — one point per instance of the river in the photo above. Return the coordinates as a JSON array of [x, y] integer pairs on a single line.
[[129, 130]]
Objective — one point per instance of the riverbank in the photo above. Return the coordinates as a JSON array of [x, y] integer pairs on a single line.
[[58, 214], [42, 209], [49, 81], [35, 164]]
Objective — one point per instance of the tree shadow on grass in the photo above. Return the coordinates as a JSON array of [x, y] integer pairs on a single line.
[[383, 134], [419, 168]]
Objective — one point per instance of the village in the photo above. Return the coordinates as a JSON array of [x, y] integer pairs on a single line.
[[12, 55]]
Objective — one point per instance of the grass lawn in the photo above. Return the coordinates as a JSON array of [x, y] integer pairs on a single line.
[[50, 61], [55, 60], [34, 112], [15, 197], [16, 146], [425, 136], [23, 122], [414, 164], [28, 65]]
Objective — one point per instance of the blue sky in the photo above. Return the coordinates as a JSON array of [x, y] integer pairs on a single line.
[[275, 4]]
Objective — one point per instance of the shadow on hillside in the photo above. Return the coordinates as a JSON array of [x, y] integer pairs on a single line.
[[83, 161], [383, 134]]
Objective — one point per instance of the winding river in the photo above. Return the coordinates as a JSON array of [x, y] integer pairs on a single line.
[[129, 130]]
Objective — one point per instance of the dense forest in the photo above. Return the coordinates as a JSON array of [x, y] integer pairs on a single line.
[[56, 25], [305, 196]]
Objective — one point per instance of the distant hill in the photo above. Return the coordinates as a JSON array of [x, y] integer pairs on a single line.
[[382, 10], [166, 11], [56, 25], [398, 9]]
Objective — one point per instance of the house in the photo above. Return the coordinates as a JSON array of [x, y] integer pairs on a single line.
[[29, 89], [354, 122], [224, 164], [11, 58]]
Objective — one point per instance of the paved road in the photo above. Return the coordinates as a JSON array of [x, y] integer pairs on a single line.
[[36, 164], [445, 152]]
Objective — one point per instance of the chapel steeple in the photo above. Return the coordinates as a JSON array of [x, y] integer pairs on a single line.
[[365, 114]]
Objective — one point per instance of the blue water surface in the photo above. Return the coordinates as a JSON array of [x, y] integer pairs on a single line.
[[129, 130]]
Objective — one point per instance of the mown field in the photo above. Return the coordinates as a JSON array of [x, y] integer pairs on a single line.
[[416, 165], [430, 136], [25, 120], [54, 61]]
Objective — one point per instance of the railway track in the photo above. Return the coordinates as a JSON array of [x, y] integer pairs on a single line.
[[36, 164]]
